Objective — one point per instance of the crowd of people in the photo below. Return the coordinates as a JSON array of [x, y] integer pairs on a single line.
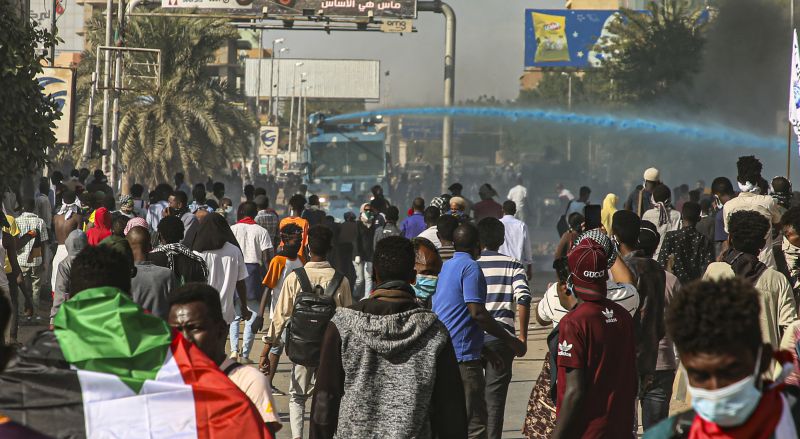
[[398, 325]]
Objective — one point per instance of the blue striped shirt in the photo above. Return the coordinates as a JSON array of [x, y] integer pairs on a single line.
[[506, 287]]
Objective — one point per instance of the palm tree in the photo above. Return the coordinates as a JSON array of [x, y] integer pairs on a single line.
[[190, 121]]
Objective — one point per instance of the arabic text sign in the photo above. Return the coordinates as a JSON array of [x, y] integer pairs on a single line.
[[345, 8], [268, 141], [565, 38], [59, 85]]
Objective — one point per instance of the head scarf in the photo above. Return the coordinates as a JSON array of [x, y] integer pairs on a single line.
[[601, 239], [135, 222], [607, 213], [214, 232], [102, 227], [125, 201], [171, 250], [69, 209], [365, 217], [663, 210]]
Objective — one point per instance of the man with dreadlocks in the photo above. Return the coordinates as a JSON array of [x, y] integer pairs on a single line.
[[754, 198]]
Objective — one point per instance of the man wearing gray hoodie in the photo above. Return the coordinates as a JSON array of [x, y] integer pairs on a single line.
[[387, 365], [75, 242]]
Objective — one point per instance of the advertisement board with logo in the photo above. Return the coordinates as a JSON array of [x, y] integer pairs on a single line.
[[344, 8], [59, 84], [565, 38], [268, 141]]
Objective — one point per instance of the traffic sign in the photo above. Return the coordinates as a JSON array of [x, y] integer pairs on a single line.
[[268, 141]]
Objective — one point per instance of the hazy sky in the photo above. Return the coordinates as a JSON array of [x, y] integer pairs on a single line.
[[489, 51]]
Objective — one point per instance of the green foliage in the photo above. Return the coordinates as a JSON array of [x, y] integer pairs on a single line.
[[27, 116], [652, 56], [191, 121]]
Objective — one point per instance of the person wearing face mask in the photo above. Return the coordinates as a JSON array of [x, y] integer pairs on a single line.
[[428, 264], [507, 294], [716, 330], [790, 246]]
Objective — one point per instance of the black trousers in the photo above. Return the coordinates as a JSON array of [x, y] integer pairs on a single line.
[[497, 382]]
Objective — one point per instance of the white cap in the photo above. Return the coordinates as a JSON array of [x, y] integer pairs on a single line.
[[651, 174]]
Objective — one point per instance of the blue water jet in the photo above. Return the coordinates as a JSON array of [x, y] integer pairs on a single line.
[[719, 134]]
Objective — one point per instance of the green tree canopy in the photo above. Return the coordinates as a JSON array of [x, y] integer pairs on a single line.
[[27, 116], [190, 122]]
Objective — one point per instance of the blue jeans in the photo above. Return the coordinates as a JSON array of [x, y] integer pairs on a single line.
[[249, 334], [655, 398]]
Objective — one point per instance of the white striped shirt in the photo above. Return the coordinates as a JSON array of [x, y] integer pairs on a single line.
[[506, 287], [550, 309]]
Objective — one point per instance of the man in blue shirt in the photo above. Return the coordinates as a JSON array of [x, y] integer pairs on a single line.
[[459, 302], [414, 224]]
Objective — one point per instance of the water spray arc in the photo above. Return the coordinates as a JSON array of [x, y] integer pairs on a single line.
[[719, 134]]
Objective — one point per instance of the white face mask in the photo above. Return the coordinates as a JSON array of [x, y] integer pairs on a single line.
[[732, 405]]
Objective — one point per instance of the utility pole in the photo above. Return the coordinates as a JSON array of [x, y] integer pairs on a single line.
[[107, 83], [114, 180], [449, 78], [569, 108], [271, 71], [53, 29]]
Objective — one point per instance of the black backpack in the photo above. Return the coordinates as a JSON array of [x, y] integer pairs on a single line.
[[313, 309]]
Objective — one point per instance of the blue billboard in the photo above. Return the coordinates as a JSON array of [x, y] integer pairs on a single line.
[[565, 38]]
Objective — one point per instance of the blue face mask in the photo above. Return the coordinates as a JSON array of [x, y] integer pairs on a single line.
[[425, 286], [729, 406]]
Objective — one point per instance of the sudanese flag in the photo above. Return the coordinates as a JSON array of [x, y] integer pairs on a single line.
[[110, 370]]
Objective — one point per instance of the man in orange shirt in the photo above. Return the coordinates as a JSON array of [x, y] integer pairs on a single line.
[[280, 266], [298, 204]]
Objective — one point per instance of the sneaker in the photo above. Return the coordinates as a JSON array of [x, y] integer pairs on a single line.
[[276, 391], [234, 355], [246, 360]]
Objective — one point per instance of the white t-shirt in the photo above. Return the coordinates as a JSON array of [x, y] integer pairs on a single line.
[[253, 239], [225, 268], [550, 309], [430, 235], [517, 194]]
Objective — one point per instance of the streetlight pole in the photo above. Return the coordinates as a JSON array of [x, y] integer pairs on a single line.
[[291, 106], [443, 8], [278, 84], [271, 70], [299, 116]]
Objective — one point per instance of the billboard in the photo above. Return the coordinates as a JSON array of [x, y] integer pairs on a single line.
[[565, 38], [268, 141], [344, 8], [59, 84], [234, 6], [324, 78]]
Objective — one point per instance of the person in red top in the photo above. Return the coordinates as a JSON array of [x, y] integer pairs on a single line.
[[596, 355]]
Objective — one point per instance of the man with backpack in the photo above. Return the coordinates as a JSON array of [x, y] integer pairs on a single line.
[[388, 229], [307, 302]]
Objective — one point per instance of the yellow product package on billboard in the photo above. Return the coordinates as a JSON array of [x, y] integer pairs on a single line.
[[551, 38]]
